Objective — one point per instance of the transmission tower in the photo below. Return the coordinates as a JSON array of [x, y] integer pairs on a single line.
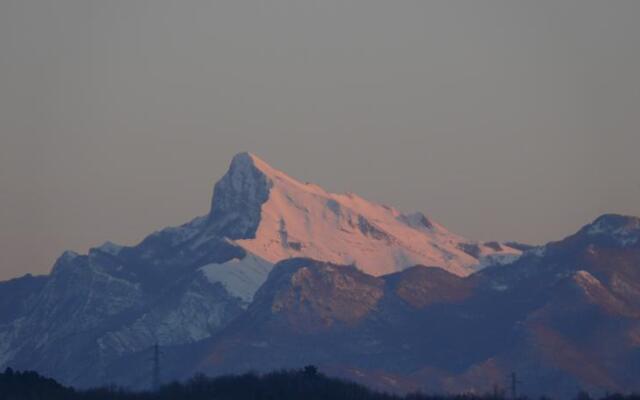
[[155, 371], [514, 385]]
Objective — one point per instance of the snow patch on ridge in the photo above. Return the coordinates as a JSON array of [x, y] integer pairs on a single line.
[[498, 259], [240, 277], [110, 248]]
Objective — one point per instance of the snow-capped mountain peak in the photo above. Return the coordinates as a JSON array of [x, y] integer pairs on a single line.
[[275, 217]]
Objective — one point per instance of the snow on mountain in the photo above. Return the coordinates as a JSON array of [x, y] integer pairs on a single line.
[[276, 217], [240, 277], [623, 229], [110, 248]]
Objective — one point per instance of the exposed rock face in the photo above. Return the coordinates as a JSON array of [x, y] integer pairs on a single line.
[[319, 297], [421, 287], [238, 197]]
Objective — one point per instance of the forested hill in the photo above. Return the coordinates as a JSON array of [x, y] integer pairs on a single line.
[[305, 384]]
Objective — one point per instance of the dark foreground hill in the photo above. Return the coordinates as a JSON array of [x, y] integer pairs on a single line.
[[305, 384]]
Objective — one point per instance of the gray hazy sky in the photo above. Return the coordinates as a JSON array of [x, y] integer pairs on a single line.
[[501, 119]]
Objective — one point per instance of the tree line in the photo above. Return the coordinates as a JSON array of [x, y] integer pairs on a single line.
[[303, 384]]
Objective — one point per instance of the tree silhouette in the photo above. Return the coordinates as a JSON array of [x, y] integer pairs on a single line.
[[280, 385]]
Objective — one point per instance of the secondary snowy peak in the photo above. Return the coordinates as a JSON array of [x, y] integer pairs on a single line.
[[625, 230], [276, 217]]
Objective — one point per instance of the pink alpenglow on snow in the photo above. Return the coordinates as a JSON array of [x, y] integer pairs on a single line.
[[303, 220]]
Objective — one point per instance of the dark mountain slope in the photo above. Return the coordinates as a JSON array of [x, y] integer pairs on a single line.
[[564, 316]]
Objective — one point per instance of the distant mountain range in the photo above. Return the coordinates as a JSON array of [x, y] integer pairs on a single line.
[[282, 274]]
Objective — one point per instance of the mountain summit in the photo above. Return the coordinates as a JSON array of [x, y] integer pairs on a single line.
[[275, 217]]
